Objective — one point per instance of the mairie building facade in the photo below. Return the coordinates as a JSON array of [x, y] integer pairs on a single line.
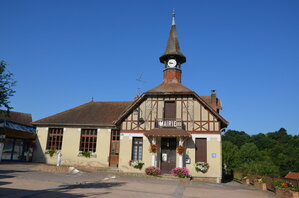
[[116, 133]]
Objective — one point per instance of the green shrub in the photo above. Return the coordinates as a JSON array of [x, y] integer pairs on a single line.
[[86, 154], [51, 152]]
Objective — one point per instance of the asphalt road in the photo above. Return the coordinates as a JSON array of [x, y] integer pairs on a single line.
[[18, 180]]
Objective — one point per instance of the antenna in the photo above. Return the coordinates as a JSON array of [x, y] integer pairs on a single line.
[[139, 80]]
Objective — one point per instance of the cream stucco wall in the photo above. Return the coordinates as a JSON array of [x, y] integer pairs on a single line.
[[126, 141], [213, 146], [70, 148]]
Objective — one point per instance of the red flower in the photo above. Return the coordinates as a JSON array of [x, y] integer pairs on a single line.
[[153, 148], [285, 185], [180, 150]]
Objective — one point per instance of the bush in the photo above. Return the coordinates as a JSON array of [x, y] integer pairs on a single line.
[[152, 170], [260, 168], [180, 172]]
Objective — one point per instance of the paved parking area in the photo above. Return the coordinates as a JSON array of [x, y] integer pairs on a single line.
[[18, 180]]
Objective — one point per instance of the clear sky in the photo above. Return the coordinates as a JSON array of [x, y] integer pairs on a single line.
[[63, 53]]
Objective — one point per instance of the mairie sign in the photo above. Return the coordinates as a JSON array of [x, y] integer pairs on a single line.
[[168, 123]]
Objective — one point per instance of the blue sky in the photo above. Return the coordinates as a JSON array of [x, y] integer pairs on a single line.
[[63, 53]]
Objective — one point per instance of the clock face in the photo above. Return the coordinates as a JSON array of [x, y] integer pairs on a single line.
[[171, 63]]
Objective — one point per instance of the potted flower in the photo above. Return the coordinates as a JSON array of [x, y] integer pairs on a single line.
[[202, 167], [153, 171], [180, 172], [180, 150], [286, 190], [137, 164], [260, 184], [245, 179], [153, 148]]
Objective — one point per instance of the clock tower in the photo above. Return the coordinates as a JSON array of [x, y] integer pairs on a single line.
[[172, 58]]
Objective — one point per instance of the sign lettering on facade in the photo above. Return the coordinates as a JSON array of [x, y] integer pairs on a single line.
[[168, 123]]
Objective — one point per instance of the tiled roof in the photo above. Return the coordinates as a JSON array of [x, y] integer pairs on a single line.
[[170, 88], [17, 117], [292, 175], [91, 113]]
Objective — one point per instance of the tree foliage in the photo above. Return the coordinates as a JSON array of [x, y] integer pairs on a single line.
[[274, 153], [6, 84]]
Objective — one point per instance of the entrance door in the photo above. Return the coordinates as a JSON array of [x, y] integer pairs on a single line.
[[168, 154], [114, 148]]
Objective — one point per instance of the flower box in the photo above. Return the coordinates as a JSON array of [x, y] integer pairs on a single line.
[[283, 193], [202, 167], [136, 164], [260, 186], [246, 181]]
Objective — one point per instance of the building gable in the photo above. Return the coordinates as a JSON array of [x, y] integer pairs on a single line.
[[192, 113]]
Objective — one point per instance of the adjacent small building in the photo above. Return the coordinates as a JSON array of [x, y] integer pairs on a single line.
[[292, 175], [116, 133], [17, 136]]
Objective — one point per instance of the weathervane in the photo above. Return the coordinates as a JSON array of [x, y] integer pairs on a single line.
[[173, 16]]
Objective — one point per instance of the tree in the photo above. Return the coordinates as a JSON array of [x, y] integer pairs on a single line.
[[229, 156], [249, 153], [236, 137], [6, 84], [262, 141]]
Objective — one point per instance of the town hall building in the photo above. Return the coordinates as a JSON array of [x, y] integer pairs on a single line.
[[114, 134]]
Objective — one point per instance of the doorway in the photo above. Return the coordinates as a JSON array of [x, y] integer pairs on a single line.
[[114, 148], [168, 154]]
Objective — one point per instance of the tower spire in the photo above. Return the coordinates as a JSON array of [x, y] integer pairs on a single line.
[[173, 48]]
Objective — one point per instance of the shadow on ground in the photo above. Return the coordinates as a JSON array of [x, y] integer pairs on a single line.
[[9, 173], [63, 191], [93, 185], [226, 180]]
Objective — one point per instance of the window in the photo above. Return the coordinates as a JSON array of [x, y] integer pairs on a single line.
[[201, 149], [55, 136], [88, 141], [137, 148], [169, 110]]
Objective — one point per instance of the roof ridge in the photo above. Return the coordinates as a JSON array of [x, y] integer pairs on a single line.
[[170, 84], [1, 110], [90, 102], [114, 101]]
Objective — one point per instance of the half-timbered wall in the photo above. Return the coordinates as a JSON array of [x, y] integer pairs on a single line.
[[194, 115]]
